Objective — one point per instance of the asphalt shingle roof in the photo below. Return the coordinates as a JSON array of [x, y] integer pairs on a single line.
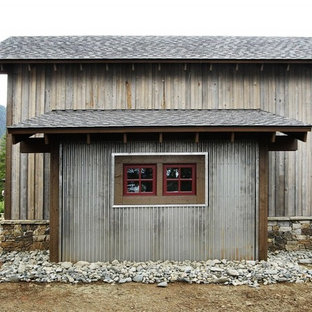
[[156, 47], [65, 119]]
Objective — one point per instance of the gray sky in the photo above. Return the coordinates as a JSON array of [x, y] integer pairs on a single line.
[[149, 17]]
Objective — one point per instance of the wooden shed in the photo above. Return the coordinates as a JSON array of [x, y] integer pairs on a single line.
[[158, 184], [156, 148]]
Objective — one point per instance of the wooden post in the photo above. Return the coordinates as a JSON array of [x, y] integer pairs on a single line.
[[54, 202], [8, 157], [263, 201]]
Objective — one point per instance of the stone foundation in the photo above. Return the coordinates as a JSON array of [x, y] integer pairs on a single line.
[[24, 235], [284, 233], [289, 233]]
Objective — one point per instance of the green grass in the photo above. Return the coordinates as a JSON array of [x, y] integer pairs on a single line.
[[1, 206]]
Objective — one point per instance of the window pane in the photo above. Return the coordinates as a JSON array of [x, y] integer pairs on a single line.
[[132, 173], [146, 173], [186, 186], [133, 186], [146, 186], [186, 173], [172, 173], [172, 186]]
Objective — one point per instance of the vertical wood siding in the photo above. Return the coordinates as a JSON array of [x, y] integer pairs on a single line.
[[92, 230], [169, 86]]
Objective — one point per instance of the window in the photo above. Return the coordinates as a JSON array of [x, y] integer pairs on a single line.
[[139, 180], [179, 179], [160, 179]]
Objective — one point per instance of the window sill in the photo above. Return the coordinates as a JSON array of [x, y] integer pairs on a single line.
[[161, 206]]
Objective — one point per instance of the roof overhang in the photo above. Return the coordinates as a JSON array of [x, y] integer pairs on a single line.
[[270, 136], [125, 125]]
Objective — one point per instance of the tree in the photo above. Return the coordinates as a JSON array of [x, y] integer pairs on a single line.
[[2, 164]]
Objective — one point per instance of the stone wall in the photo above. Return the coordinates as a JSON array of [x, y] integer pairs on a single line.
[[24, 235], [290, 233]]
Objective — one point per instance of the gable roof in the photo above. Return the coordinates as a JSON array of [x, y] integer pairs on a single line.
[[113, 119], [156, 48]]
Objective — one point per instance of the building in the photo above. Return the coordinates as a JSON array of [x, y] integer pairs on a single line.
[[158, 147]]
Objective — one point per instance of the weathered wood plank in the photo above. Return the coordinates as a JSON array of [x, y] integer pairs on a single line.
[[173, 86], [8, 161], [31, 158]]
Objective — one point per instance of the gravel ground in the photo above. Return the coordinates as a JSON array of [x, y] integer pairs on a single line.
[[293, 267]]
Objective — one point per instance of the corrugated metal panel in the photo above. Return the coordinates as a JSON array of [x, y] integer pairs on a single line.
[[93, 230]]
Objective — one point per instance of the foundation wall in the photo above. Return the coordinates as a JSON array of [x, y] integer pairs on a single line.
[[294, 233], [24, 235]]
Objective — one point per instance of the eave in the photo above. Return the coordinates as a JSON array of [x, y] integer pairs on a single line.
[[267, 135]]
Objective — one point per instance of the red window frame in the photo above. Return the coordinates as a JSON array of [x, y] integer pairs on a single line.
[[179, 179], [140, 180]]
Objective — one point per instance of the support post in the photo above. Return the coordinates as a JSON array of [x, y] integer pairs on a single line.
[[54, 202], [263, 201]]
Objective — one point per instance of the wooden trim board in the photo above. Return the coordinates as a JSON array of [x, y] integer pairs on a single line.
[[263, 201]]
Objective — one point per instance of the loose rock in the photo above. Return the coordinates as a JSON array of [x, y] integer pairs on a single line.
[[162, 284], [281, 267]]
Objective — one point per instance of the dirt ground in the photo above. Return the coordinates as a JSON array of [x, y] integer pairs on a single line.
[[140, 297]]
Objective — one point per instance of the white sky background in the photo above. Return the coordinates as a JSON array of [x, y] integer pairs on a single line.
[[157, 17]]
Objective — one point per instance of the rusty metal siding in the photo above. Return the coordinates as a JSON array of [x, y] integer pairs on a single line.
[[93, 230]]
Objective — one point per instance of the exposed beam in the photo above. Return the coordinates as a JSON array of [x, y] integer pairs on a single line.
[[46, 139], [160, 137], [16, 138], [273, 137], [125, 139], [283, 143], [232, 137], [302, 136], [88, 138], [197, 137], [34, 145]]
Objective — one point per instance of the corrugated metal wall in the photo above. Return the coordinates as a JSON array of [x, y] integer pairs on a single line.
[[91, 229], [170, 86]]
